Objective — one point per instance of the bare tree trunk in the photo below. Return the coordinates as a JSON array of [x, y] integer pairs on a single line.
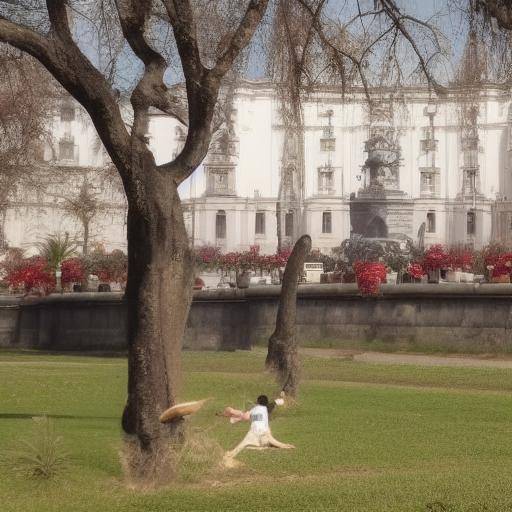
[[158, 295], [282, 356]]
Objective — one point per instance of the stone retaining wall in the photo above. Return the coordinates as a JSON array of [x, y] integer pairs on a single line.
[[457, 316]]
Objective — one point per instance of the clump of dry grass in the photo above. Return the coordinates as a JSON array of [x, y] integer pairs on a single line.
[[192, 458], [199, 455], [40, 455]]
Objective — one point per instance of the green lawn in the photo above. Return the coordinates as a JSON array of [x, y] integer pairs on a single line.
[[368, 437]]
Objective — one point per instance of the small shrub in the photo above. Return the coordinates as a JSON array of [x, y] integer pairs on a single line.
[[40, 456]]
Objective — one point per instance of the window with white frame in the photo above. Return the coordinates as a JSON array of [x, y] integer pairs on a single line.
[[220, 225], [67, 149], [260, 223], [326, 222], [325, 180]]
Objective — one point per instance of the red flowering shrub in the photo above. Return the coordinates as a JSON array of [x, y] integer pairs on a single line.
[[435, 258], [208, 257], [499, 264], [369, 275], [72, 271], [31, 274], [460, 259], [415, 270]]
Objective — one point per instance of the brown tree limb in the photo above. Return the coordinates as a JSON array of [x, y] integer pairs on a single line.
[[500, 10], [202, 84], [151, 90], [243, 34], [282, 355]]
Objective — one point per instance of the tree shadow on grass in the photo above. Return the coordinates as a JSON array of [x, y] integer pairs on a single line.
[[29, 416]]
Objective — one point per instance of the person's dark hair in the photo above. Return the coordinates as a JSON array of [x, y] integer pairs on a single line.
[[262, 400]]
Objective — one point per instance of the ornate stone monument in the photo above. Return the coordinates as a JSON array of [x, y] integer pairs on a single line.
[[381, 209]]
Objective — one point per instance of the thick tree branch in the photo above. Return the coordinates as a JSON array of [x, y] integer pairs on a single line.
[[181, 16], [203, 84], [57, 12], [151, 89], [243, 34], [500, 10]]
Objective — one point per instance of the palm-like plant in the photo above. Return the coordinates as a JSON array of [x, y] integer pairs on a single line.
[[57, 248]]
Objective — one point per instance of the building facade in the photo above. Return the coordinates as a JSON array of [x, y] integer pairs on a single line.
[[406, 165]]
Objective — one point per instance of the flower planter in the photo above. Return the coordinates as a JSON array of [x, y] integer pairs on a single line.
[[369, 277], [434, 276], [501, 279], [104, 287], [349, 277], [454, 276], [467, 277], [198, 284], [243, 280], [391, 277]]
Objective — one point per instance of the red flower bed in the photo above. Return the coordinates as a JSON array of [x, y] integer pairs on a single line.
[[415, 270], [435, 258], [211, 258], [369, 275], [499, 264], [459, 258], [72, 271], [31, 274]]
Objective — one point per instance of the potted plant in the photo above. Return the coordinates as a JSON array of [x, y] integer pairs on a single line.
[[73, 274], [415, 271], [396, 261], [434, 260], [493, 261], [357, 249], [369, 276], [459, 263]]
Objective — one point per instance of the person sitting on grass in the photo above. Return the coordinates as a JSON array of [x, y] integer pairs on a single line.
[[259, 435]]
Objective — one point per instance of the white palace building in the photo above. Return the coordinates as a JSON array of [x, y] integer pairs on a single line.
[[412, 160]]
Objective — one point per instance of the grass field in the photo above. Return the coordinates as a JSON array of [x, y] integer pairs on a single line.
[[368, 437]]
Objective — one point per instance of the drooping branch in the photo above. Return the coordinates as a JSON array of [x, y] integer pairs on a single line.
[[396, 16], [62, 57]]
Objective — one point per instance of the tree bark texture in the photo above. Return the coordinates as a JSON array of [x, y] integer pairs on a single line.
[[158, 295], [282, 355]]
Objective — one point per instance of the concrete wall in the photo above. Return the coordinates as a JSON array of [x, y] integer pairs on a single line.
[[9, 316], [463, 317]]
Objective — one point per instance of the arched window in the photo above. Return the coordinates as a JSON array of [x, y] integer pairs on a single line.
[[220, 225]]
